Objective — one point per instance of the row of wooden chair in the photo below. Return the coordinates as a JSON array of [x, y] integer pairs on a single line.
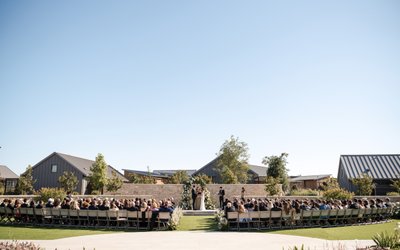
[[264, 220], [122, 219]]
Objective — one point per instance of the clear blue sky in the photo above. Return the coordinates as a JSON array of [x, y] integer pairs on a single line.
[[164, 83]]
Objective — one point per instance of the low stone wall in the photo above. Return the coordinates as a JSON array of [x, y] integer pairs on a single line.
[[175, 190]]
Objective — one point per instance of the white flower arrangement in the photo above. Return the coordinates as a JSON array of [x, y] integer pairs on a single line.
[[175, 218]]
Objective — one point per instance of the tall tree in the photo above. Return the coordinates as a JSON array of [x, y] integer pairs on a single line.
[[114, 183], [68, 181], [232, 161], [179, 177], [365, 184], [277, 168], [98, 174], [25, 182]]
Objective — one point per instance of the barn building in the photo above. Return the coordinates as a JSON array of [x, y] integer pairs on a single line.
[[382, 168], [48, 170]]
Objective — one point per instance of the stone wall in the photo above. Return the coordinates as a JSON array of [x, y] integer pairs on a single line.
[[175, 190], [231, 190]]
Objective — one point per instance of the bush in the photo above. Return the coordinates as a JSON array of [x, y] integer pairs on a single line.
[[95, 192], [15, 245], [386, 240], [304, 192], [338, 193], [392, 194], [46, 193], [175, 218]]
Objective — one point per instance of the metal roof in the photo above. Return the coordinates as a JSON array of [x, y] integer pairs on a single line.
[[6, 173], [309, 177], [385, 166], [173, 171], [145, 173], [84, 165], [259, 170]]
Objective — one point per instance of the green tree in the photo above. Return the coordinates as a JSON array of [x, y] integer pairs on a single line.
[[365, 184], [141, 179], [277, 168], [68, 181], [179, 177], [396, 184], [232, 161], [98, 174], [272, 186], [25, 182], [114, 183], [202, 180], [330, 184]]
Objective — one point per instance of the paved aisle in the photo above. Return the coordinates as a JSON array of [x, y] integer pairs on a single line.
[[192, 240]]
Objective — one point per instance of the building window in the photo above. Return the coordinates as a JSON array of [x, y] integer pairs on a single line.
[[53, 168]]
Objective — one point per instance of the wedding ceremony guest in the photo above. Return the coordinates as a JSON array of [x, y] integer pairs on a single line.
[[242, 193], [221, 194]]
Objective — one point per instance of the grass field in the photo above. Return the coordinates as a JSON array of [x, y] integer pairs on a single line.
[[195, 223], [30, 233], [201, 223], [363, 232]]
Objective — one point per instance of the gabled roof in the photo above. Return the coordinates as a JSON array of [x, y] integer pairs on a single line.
[[309, 177], [145, 173], [6, 173], [171, 172], [258, 170], [83, 165], [384, 166]]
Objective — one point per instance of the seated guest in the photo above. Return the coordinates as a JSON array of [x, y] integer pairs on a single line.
[[93, 205], [39, 205], [50, 203], [25, 203]]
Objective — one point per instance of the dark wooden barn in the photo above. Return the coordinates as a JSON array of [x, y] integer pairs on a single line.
[[382, 168], [48, 170]]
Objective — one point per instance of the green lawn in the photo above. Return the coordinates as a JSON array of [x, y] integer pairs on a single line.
[[30, 233], [364, 232], [204, 223], [193, 223]]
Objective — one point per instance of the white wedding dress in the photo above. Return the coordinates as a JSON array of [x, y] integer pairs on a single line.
[[202, 205]]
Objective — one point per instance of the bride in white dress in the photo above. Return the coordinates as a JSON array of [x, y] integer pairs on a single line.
[[202, 204]]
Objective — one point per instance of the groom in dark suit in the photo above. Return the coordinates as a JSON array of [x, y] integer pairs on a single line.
[[221, 195], [194, 195]]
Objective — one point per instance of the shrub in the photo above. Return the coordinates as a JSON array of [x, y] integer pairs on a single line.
[[221, 220], [392, 194], [175, 218], [386, 240], [338, 193], [46, 193], [15, 245], [95, 192], [304, 192]]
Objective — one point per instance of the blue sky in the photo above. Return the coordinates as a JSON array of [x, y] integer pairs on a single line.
[[164, 83]]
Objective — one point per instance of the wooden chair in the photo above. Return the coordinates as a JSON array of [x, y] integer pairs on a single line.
[[264, 219], [254, 220], [75, 217], [324, 217], [87, 218], [56, 216], [163, 219], [47, 218], [275, 219], [122, 219], [306, 216], [133, 219], [233, 220], [102, 220]]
